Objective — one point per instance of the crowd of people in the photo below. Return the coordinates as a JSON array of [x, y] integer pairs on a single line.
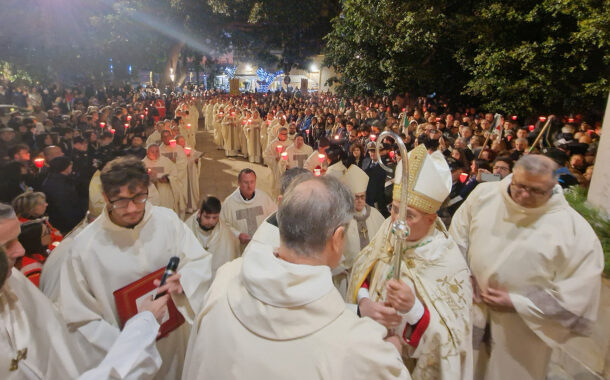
[[104, 187]]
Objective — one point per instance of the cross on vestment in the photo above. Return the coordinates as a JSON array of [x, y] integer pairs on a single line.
[[155, 171], [300, 158], [250, 214], [21, 355], [363, 231]]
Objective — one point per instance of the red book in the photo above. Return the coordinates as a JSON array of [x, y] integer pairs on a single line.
[[128, 297]]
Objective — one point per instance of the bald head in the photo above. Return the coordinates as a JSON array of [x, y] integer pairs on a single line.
[[51, 152], [310, 213], [537, 164]]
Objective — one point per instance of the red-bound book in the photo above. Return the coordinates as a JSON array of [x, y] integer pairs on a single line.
[[129, 297]]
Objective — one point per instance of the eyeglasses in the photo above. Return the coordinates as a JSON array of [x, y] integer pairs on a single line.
[[360, 197], [501, 168], [137, 199], [530, 190]]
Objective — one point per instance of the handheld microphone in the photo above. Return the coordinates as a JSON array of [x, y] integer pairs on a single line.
[[170, 269]]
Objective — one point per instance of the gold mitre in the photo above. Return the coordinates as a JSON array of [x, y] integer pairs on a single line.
[[355, 179], [429, 180]]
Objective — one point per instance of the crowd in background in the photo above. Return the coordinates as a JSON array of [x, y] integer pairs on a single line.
[[57, 138]]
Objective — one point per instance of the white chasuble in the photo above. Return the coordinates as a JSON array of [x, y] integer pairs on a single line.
[[298, 156], [169, 192], [548, 259], [244, 216], [284, 320], [105, 257]]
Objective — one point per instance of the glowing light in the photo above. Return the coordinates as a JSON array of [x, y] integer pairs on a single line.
[[279, 148], [39, 162], [542, 118], [514, 117], [187, 150], [321, 157], [317, 172], [102, 125], [172, 143], [531, 127], [284, 156], [373, 138], [463, 177], [313, 68]]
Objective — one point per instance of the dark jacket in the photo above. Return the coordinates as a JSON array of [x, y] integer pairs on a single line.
[[66, 208], [375, 191]]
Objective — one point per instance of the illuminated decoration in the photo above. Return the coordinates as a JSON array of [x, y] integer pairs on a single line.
[[265, 79], [230, 71]]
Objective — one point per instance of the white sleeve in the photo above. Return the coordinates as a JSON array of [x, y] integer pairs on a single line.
[[133, 355]]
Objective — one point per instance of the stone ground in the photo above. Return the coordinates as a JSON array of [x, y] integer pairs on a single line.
[[219, 178]]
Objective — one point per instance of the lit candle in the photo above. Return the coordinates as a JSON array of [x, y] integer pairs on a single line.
[[307, 132], [39, 162], [142, 116], [570, 120], [316, 172], [102, 124], [392, 154], [514, 117], [126, 125], [187, 150], [531, 127], [336, 137], [373, 137], [285, 156], [321, 157], [112, 131], [542, 118], [172, 143], [128, 117], [279, 148], [463, 177], [188, 126]]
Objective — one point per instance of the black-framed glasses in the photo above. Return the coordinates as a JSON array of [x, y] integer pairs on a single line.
[[530, 190], [137, 199]]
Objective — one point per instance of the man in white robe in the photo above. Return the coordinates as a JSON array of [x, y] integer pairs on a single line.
[[217, 128], [214, 236], [229, 133], [209, 115], [246, 208], [318, 158], [536, 265], [28, 351], [361, 229], [155, 137], [429, 306], [193, 169], [170, 149], [253, 134], [164, 177], [280, 313], [130, 240], [274, 160], [265, 130], [298, 153]]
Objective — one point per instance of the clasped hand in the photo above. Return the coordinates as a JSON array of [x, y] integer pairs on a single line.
[[399, 298]]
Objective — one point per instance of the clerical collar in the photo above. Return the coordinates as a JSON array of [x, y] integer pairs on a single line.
[[247, 199]]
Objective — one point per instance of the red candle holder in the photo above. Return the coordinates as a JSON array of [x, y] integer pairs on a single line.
[[102, 125], [126, 125], [188, 126], [463, 177], [172, 143], [284, 156], [187, 150], [279, 148], [321, 157], [39, 162], [373, 138]]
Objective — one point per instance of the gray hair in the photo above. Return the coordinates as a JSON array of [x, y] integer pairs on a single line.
[[310, 213], [3, 266], [290, 175], [6, 212], [538, 165]]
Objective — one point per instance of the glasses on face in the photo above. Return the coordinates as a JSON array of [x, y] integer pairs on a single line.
[[530, 190], [137, 199], [360, 197], [503, 168]]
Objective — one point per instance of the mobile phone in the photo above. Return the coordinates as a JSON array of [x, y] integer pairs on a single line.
[[490, 177]]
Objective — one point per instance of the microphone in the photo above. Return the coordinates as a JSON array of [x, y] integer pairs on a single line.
[[170, 269]]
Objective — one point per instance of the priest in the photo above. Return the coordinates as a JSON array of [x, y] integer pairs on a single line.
[[164, 176], [317, 160], [214, 236], [429, 306], [361, 229], [218, 131], [229, 133], [193, 168], [253, 134], [279, 313], [130, 240], [246, 208], [536, 266], [273, 158], [298, 152], [28, 351]]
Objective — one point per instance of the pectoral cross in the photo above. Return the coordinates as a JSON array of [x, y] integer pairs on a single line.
[[250, 214], [21, 355], [300, 158], [363, 233]]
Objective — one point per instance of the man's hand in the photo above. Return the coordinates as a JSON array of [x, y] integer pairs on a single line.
[[172, 285], [400, 295], [498, 300], [244, 238], [164, 179], [156, 307], [384, 314], [395, 340]]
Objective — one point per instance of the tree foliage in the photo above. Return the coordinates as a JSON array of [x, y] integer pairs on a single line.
[[515, 56]]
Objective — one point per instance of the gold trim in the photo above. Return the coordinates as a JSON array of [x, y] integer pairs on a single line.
[[417, 200]]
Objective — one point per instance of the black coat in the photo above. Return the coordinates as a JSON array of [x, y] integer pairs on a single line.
[[66, 208], [375, 191]]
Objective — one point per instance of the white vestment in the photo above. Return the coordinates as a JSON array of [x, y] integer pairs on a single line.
[[360, 231], [176, 155], [547, 258], [218, 130], [230, 136], [244, 216], [436, 271], [169, 193], [193, 171], [276, 166], [253, 134], [105, 257], [154, 138], [220, 241], [284, 320], [336, 170], [36, 344], [314, 160], [298, 156]]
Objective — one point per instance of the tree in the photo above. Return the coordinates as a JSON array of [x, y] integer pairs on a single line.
[[392, 46], [547, 57]]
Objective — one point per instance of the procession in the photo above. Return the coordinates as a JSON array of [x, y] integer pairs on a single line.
[[212, 226]]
